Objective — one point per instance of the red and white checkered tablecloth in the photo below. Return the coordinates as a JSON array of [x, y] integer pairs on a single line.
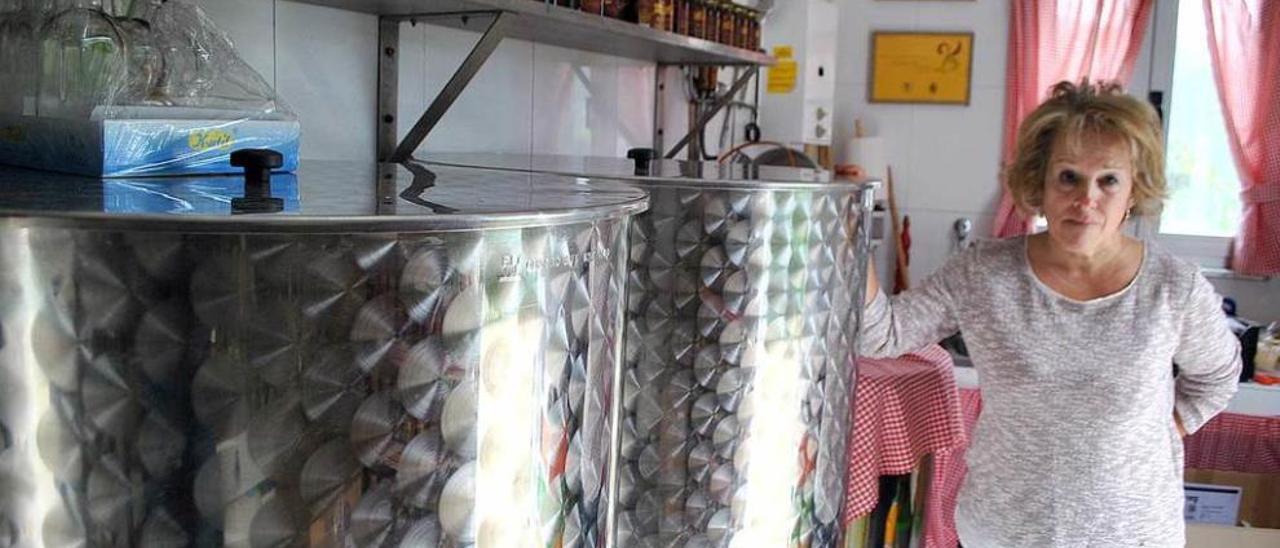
[[904, 409], [1236, 443], [948, 473]]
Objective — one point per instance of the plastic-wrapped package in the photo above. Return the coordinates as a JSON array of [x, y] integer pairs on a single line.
[[130, 88]]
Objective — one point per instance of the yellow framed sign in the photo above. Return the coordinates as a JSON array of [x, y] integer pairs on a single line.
[[921, 67]]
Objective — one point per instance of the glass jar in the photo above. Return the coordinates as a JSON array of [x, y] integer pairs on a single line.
[[591, 6], [726, 24], [755, 31], [10, 95], [82, 61], [697, 18], [682, 17], [19, 55], [647, 13], [712, 32], [616, 9], [668, 15], [743, 28], [189, 71], [146, 62]]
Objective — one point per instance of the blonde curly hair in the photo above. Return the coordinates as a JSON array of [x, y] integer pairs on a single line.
[[1079, 115]]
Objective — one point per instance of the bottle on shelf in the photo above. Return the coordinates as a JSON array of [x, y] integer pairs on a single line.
[[682, 16], [712, 31], [698, 18], [755, 31], [739, 27], [617, 9], [727, 19], [644, 12]]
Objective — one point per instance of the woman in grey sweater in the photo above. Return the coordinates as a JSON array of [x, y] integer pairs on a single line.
[[1073, 332]]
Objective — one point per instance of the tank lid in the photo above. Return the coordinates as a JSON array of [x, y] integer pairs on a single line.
[[728, 175], [323, 196]]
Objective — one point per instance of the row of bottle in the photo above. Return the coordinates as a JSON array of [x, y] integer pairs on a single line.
[[64, 58], [715, 20]]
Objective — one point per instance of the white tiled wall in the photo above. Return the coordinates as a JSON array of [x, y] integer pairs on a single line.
[[494, 113], [945, 159], [528, 97], [329, 54]]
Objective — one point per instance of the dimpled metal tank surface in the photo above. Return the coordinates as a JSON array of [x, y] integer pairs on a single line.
[[744, 301], [398, 356]]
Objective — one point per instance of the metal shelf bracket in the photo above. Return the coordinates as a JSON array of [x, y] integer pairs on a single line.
[[388, 43], [716, 107]]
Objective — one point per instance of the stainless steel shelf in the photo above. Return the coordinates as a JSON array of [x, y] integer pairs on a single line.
[[548, 24]]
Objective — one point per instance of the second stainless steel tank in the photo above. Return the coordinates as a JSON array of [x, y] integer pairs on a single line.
[[744, 301]]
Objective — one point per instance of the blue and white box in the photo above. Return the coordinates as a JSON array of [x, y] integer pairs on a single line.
[[145, 141]]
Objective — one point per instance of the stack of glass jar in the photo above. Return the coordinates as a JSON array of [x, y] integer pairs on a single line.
[[65, 58], [719, 21]]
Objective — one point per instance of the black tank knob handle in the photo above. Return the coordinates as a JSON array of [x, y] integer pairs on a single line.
[[643, 157], [257, 164]]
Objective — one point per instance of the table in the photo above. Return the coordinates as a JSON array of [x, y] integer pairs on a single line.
[[904, 409]]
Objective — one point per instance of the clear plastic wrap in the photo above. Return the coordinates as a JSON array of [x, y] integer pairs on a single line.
[[147, 87]]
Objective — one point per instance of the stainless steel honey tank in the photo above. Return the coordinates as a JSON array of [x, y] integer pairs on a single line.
[[399, 356], [744, 301]]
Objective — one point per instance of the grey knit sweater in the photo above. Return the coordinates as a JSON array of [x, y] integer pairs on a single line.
[[1076, 444]]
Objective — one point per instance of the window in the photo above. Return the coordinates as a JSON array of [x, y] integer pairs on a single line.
[[1203, 184]]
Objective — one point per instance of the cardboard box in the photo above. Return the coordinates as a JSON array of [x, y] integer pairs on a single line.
[[1259, 494], [160, 141], [1207, 503]]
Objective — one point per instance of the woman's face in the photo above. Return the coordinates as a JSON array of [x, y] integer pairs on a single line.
[[1088, 189]]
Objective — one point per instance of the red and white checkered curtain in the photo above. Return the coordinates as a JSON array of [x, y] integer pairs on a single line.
[[1244, 44], [1055, 40]]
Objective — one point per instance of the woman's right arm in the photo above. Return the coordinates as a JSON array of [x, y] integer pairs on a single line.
[[912, 319]]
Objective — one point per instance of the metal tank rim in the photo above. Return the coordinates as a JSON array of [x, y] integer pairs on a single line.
[[317, 225], [616, 203], [746, 185]]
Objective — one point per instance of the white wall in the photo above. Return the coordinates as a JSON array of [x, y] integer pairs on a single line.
[[527, 98], [944, 158]]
